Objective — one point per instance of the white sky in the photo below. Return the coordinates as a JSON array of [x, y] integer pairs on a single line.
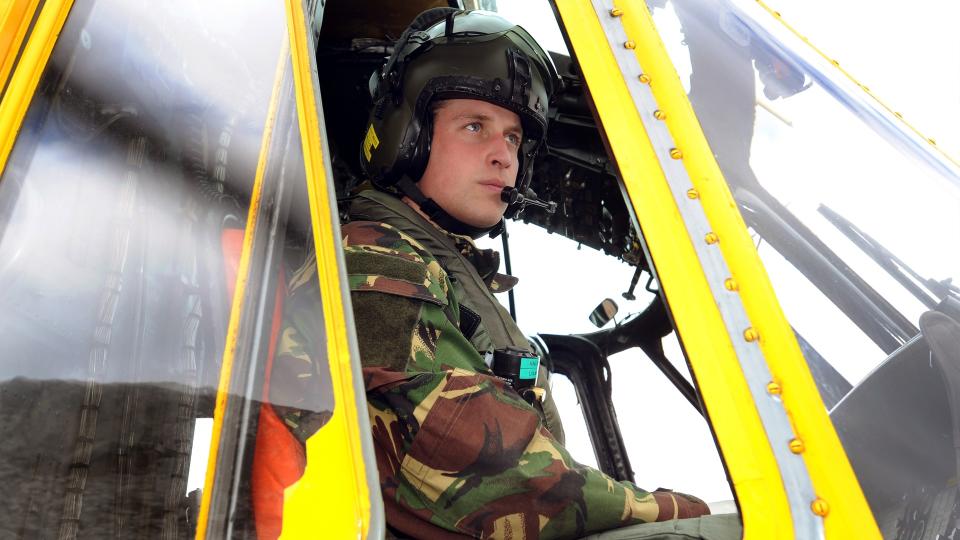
[[909, 55]]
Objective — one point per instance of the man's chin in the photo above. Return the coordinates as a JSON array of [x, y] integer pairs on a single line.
[[483, 224], [485, 220]]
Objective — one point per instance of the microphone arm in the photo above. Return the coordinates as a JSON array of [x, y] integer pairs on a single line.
[[512, 195]]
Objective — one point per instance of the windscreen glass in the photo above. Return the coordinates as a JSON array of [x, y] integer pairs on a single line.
[[855, 218], [125, 221]]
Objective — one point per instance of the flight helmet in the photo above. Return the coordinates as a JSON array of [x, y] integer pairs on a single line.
[[447, 53]]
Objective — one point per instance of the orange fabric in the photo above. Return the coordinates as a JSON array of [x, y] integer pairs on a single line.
[[231, 242], [278, 458], [278, 462]]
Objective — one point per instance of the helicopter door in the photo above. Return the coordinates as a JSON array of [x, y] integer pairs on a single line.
[[136, 138]]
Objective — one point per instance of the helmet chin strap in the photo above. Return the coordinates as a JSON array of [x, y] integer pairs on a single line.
[[440, 216]]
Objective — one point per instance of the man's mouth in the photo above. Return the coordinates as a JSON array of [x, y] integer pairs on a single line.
[[493, 185]]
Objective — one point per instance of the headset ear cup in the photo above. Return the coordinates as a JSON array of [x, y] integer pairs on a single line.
[[421, 152]]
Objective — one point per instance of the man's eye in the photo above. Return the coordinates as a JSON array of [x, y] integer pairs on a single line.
[[473, 126], [514, 139]]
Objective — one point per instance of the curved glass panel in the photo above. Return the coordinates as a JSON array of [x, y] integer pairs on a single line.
[[123, 213], [855, 219]]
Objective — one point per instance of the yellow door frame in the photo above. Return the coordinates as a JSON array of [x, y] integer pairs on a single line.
[[341, 475], [790, 474], [339, 492], [15, 19], [23, 82]]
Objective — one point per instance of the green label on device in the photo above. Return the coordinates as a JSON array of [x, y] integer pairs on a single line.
[[529, 367]]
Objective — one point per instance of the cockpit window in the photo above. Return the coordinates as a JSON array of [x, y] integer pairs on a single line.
[[854, 217], [125, 208]]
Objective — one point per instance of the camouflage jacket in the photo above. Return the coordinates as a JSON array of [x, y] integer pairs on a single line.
[[473, 278], [458, 451]]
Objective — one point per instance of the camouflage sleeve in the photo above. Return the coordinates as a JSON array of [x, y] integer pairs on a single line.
[[299, 387], [457, 449]]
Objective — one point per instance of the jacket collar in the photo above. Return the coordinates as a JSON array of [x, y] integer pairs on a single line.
[[485, 261]]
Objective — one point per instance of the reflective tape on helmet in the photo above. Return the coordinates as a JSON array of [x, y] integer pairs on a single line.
[[370, 141]]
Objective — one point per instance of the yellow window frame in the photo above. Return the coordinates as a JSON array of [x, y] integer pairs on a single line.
[[23, 82], [15, 18], [339, 490], [700, 299], [342, 452]]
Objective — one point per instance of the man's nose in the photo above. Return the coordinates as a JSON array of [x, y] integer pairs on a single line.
[[501, 152]]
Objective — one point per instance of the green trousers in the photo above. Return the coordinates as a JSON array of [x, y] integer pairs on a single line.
[[718, 527]]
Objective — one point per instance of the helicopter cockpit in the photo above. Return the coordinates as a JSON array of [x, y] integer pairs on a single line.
[[159, 193]]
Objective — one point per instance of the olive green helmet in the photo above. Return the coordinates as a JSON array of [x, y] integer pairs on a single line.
[[448, 53]]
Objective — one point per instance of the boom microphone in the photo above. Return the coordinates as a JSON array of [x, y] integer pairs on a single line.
[[512, 195]]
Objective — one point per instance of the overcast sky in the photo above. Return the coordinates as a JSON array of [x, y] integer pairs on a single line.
[[907, 53]]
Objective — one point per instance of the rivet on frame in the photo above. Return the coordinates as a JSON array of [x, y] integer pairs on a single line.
[[630, 44], [644, 78], [615, 12], [675, 153], [797, 446], [659, 115], [711, 238], [751, 334], [820, 507], [731, 284], [774, 388], [693, 194]]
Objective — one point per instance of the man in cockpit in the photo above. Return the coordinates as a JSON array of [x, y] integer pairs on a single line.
[[467, 439]]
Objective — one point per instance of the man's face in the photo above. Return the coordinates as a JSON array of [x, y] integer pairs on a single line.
[[473, 156]]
